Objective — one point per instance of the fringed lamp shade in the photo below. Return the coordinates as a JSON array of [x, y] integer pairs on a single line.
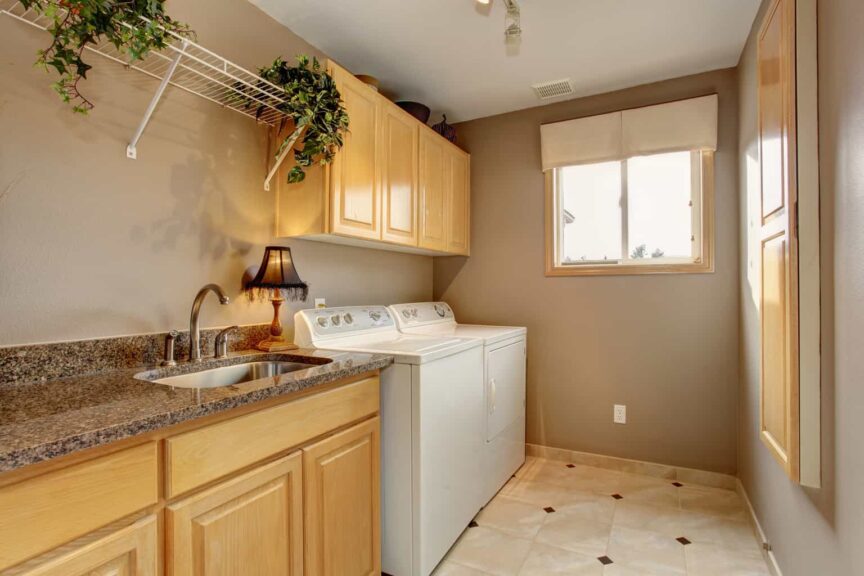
[[276, 279]]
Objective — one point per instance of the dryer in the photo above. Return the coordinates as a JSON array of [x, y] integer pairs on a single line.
[[504, 355]]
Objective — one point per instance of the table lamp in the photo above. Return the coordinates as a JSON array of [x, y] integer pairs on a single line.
[[276, 279]]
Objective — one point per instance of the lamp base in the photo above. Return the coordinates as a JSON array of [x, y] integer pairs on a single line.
[[271, 345]]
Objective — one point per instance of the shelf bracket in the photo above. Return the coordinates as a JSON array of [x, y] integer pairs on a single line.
[[286, 149], [132, 148]]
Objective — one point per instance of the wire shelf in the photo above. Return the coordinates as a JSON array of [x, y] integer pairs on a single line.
[[188, 66]]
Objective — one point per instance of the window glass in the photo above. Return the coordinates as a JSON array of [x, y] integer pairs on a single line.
[[590, 213]]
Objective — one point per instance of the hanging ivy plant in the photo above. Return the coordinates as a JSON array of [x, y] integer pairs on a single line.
[[77, 24], [314, 104]]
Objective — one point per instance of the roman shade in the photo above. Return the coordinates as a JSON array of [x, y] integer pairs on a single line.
[[672, 127]]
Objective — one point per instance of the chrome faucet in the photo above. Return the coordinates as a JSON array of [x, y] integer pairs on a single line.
[[194, 329]]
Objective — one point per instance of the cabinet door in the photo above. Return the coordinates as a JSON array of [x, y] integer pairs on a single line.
[[779, 423], [128, 551], [251, 524], [355, 198], [458, 221], [342, 503], [399, 159], [433, 191]]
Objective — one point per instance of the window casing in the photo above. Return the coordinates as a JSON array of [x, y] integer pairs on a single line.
[[604, 254]]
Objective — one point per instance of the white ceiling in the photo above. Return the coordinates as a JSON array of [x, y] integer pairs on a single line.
[[451, 54]]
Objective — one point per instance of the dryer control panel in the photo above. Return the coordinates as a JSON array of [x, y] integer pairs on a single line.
[[422, 313]]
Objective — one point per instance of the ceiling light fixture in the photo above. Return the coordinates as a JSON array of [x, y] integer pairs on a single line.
[[512, 24]]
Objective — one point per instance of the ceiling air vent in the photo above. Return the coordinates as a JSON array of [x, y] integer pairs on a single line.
[[553, 89]]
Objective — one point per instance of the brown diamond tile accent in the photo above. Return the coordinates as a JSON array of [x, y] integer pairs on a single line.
[[571, 465], [549, 509], [472, 524], [677, 484], [617, 496], [683, 541], [605, 560]]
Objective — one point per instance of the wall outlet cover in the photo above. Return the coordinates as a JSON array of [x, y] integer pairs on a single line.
[[619, 414], [320, 302]]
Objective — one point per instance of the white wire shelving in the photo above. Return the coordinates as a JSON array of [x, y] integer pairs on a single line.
[[188, 66]]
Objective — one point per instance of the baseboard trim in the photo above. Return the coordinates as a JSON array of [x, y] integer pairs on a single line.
[[666, 471], [767, 553]]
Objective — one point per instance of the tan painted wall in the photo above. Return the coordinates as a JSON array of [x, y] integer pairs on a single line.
[[814, 531], [666, 346], [93, 244]]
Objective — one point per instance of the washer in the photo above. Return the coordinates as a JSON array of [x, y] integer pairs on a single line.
[[432, 449], [504, 352]]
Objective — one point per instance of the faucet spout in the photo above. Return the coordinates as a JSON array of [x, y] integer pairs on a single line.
[[194, 326]]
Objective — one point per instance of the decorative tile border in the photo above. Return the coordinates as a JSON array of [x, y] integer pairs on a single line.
[[665, 471], [42, 362]]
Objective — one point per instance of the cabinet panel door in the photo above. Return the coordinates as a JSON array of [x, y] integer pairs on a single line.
[[779, 425], [458, 221], [252, 524], [128, 551], [356, 203], [342, 503], [399, 166], [433, 192]]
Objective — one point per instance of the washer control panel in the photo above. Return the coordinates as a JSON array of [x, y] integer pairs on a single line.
[[333, 321]]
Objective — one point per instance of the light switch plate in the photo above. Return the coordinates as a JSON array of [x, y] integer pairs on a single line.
[[619, 414]]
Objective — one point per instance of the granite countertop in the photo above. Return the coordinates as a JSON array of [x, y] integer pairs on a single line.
[[44, 420]]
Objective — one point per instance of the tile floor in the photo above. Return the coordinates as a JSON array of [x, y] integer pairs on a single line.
[[557, 518]]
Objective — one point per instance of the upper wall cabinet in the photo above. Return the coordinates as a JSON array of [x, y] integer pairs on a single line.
[[394, 185]]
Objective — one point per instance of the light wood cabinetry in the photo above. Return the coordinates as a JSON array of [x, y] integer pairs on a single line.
[[372, 194], [251, 524], [400, 134], [127, 551], [286, 489], [342, 503]]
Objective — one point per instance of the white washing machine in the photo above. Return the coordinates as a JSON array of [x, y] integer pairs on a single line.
[[432, 476], [504, 350]]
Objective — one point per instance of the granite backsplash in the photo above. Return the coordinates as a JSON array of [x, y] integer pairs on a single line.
[[20, 365]]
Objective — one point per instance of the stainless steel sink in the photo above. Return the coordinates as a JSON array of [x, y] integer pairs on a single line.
[[236, 374]]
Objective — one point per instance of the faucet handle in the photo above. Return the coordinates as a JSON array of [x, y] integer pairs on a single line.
[[221, 345]]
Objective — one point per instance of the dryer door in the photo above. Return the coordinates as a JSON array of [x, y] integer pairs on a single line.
[[505, 387]]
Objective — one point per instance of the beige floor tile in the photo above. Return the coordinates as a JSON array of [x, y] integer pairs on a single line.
[[490, 551], [650, 552], [663, 494], [712, 560], [551, 561], [640, 516], [540, 493], [581, 527], [513, 517], [452, 569], [717, 501], [710, 529]]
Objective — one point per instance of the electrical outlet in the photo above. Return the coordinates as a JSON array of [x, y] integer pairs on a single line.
[[619, 414], [320, 303]]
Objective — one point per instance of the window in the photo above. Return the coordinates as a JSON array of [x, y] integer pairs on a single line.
[[641, 215]]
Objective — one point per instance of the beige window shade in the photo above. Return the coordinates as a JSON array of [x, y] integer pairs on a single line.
[[682, 125]]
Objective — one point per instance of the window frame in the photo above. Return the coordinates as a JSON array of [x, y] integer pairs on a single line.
[[703, 215]]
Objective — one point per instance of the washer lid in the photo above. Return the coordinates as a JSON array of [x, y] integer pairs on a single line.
[[407, 348], [489, 334]]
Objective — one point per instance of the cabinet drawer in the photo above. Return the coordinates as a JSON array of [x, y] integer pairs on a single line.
[[44, 512], [201, 456]]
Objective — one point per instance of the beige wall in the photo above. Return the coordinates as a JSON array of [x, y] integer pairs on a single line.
[[93, 244], [666, 346], [814, 531]]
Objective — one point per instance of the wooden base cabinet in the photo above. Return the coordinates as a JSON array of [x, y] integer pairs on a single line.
[[342, 499], [128, 551], [251, 524]]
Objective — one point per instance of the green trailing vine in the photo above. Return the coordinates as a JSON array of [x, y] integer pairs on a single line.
[[77, 24], [314, 104]]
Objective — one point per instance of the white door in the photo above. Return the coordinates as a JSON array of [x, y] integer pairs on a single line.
[[505, 387]]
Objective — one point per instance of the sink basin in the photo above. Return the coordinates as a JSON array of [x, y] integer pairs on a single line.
[[236, 374]]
